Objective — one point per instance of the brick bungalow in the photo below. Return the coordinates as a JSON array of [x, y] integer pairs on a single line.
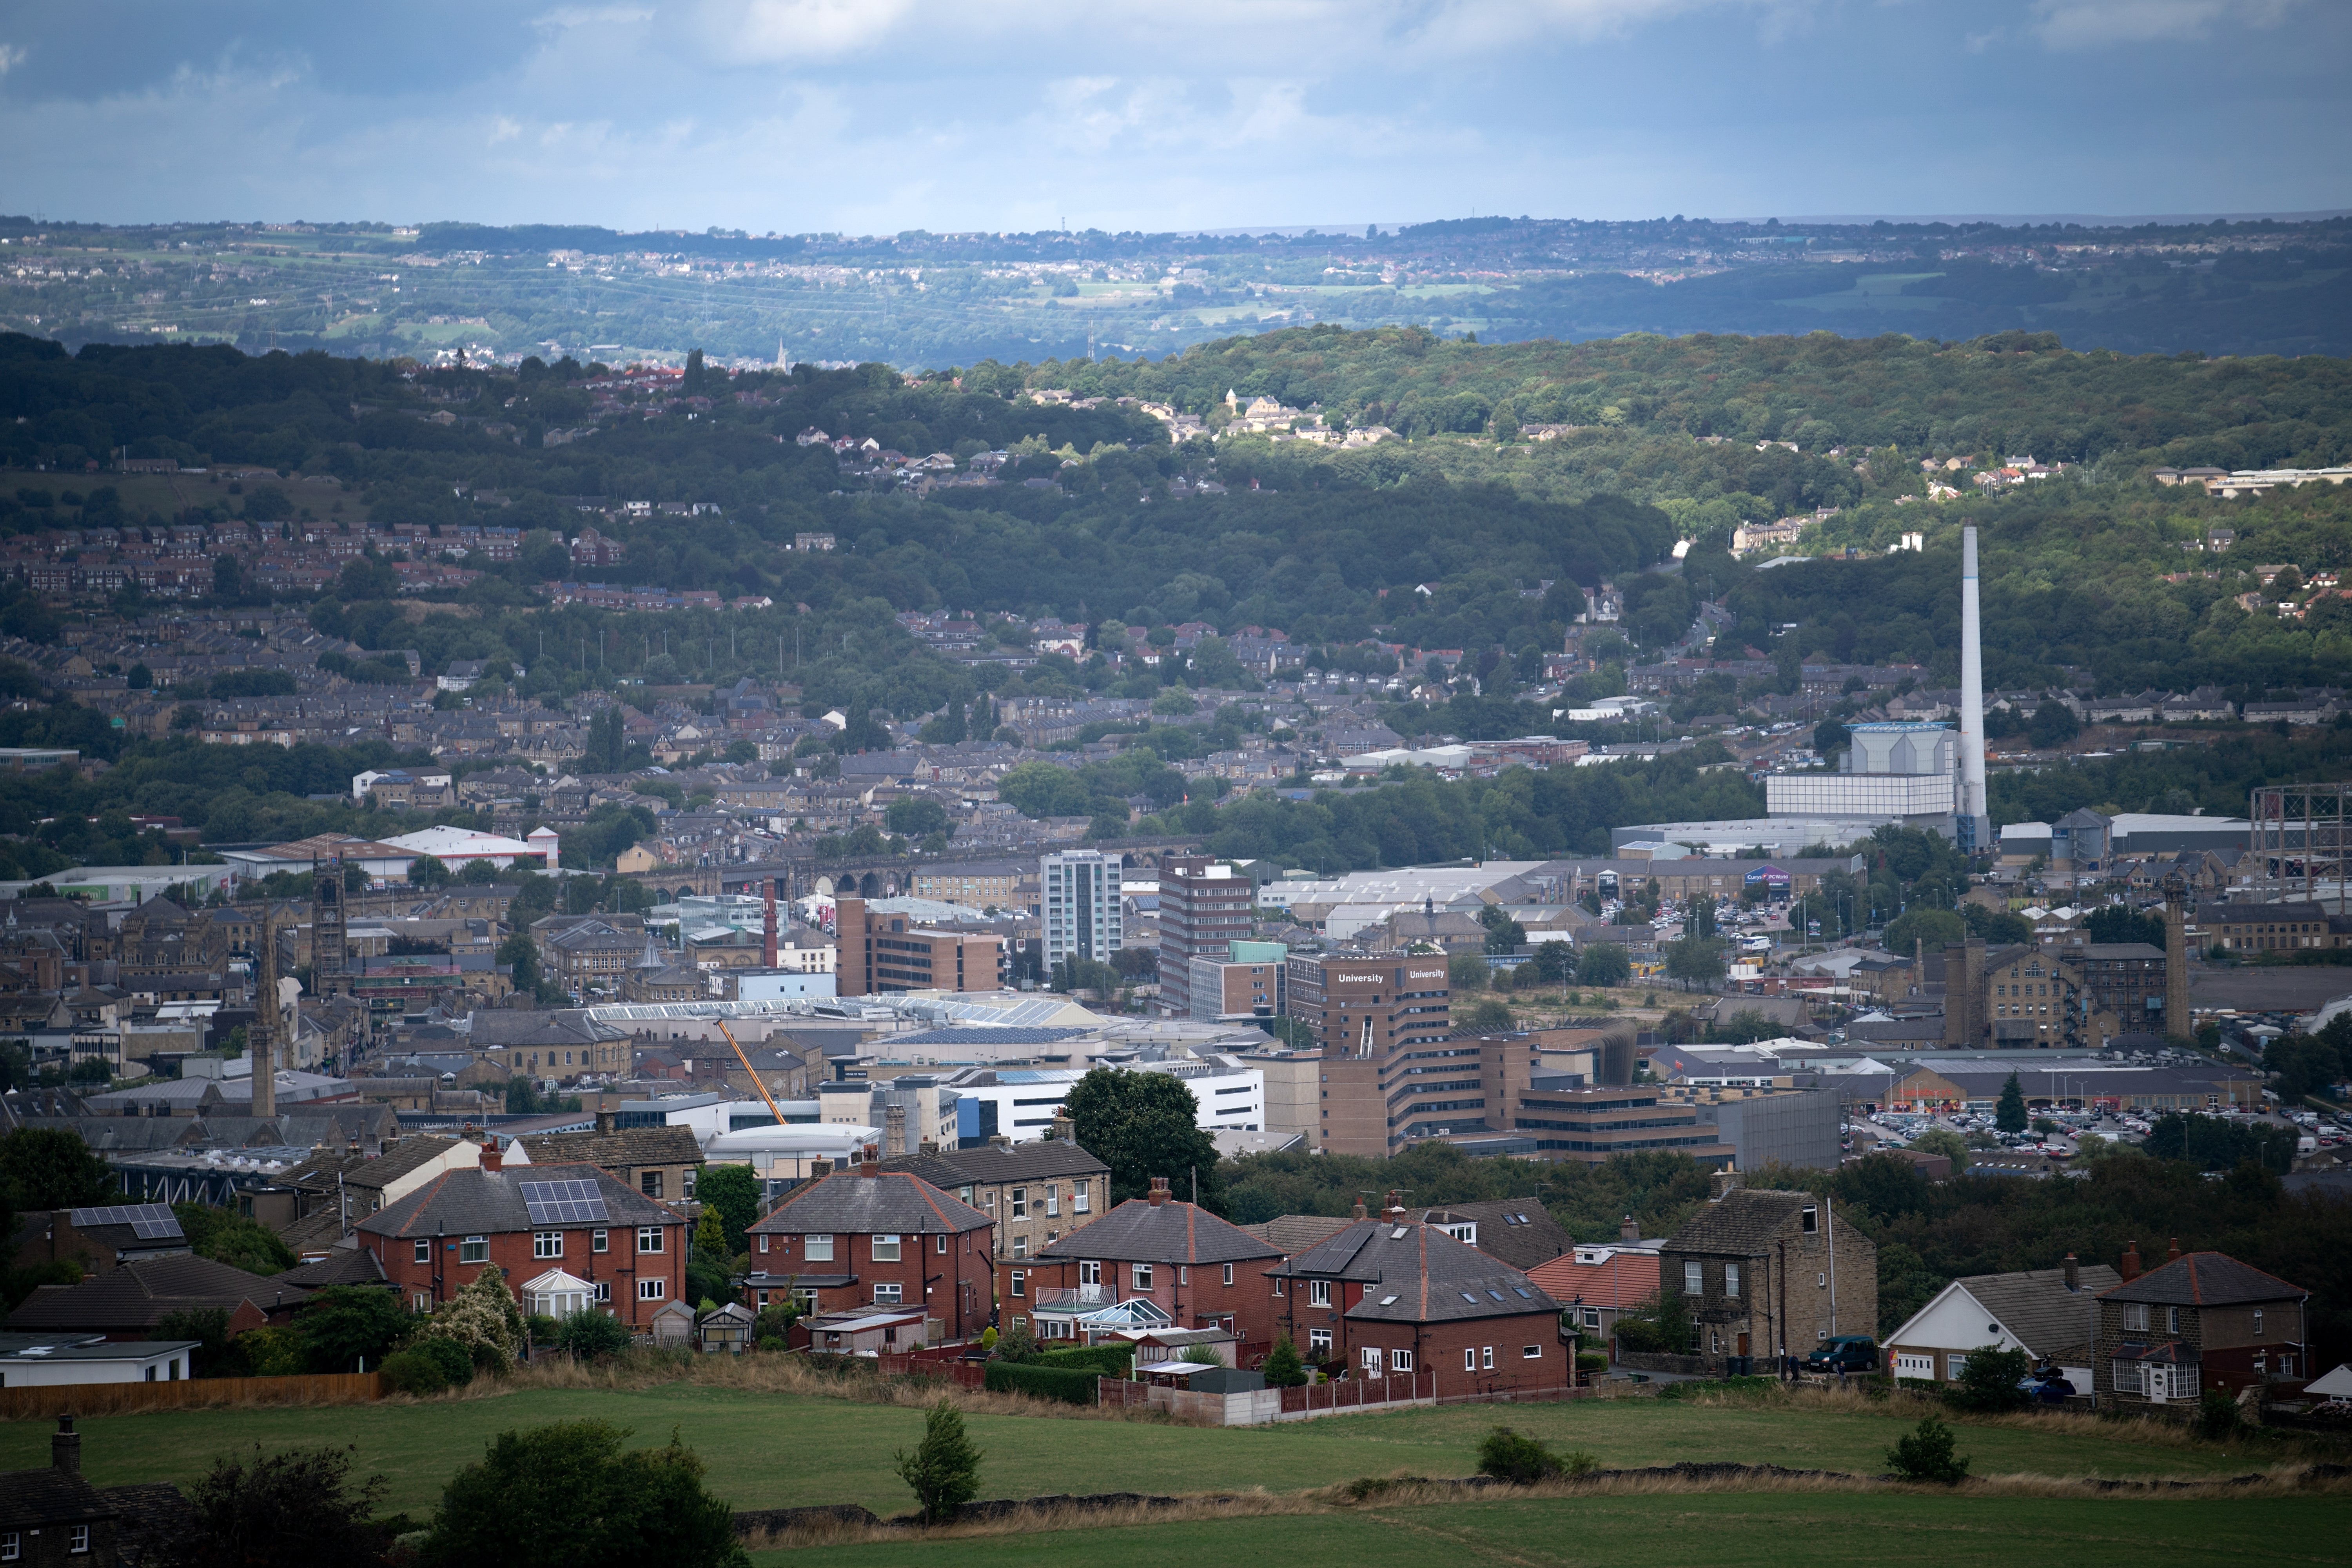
[[1196, 1271], [528, 1220], [127, 1302], [1397, 1296], [868, 1237]]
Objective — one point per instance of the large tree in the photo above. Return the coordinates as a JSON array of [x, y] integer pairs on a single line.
[[573, 1494], [1145, 1124]]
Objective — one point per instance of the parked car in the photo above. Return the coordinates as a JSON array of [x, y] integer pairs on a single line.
[[1847, 1353], [2051, 1390]]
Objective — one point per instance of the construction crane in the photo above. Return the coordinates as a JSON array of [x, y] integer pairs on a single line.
[[772, 1106]]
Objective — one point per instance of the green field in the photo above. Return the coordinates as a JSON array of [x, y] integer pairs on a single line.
[[1718, 1531], [767, 1450]]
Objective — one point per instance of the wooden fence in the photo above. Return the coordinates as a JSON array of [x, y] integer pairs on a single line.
[[128, 1398]]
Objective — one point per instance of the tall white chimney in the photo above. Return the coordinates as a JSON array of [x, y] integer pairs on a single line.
[[1974, 827]]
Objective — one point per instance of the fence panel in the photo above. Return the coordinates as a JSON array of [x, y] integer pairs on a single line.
[[126, 1398]]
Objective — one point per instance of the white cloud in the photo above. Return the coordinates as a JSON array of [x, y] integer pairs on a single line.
[[11, 56], [2094, 24], [766, 32]]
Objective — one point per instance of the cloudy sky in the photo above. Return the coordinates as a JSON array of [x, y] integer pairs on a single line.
[[870, 116]]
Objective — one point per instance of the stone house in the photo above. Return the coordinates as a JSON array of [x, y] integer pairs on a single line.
[[1768, 1274]]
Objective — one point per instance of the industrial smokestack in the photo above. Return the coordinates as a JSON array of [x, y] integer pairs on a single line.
[[768, 938], [1974, 827]]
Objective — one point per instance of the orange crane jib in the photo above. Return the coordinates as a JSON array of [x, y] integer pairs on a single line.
[[740, 1056]]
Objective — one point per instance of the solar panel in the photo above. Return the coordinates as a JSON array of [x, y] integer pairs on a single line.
[[148, 1222], [564, 1203]]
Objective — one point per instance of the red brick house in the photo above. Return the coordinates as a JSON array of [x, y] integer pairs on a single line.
[[433, 1243], [2199, 1320], [127, 1302], [1169, 1263], [1396, 1296], [868, 1237]]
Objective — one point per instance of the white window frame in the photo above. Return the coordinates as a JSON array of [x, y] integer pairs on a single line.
[[1469, 1358], [1020, 1283], [1531, 1353], [2135, 1317], [816, 1248], [78, 1541], [1401, 1360], [1694, 1280], [889, 1293], [1319, 1293], [1486, 1358], [1082, 1197], [546, 1243], [424, 1251], [12, 1546], [605, 1290], [2258, 1323], [942, 1247], [1139, 1275], [1228, 1279], [1052, 1201], [1372, 1361], [764, 1244], [887, 1247], [1731, 1280], [1020, 1196], [600, 1241], [651, 1289], [1090, 1273], [1319, 1340], [649, 1233], [1021, 1244], [474, 1249]]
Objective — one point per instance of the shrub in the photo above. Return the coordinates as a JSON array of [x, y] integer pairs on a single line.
[[1111, 1361], [541, 1328], [988, 1338], [1070, 1384], [1989, 1380], [1282, 1367], [456, 1362], [1926, 1455], [592, 1335], [295, 1507], [273, 1353], [413, 1371], [1017, 1344], [484, 1319], [346, 1325], [2217, 1415], [574, 1493], [944, 1468], [1508, 1456], [1660, 1325]]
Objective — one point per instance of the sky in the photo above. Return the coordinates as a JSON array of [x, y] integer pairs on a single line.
[[874, 116]]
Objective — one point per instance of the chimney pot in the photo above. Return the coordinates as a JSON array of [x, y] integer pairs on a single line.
[[2130, 1268], [872, 1165], [2174, 1256], [65, 1447], [492, 1159], [1629, 1229], [1159, 1194]]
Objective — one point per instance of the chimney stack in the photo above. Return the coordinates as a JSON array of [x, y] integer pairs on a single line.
[[1629, 1229], [1723, 1183], [493, 1158], [2074, 1274], [820, 1169], [1159, 1195], [604, 1122], [2174, 1256], [1394, 1213], [2130, 1266], [768, 929], [1974, 827], [1064, 1130], [872, 1164], [65, 1447], [1360, 1208]]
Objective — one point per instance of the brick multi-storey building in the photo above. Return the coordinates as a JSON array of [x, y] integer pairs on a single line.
[[1204, 908], [2202, 1320], [1401, 1297], [436, 1240], [868, 1237], [1166, 1261], [1768, 1274], [882, 953]]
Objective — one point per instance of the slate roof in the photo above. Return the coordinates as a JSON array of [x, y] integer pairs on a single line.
[[1416, 1273], [1519, 1231], [1742, 1223], [342, 1266], [625, 1146], [893, 1203], [153, 1523], [1293, 1233], [143, 1294], [1037, 1161], [1172, 1232], [35, 1499], [481, 1202], [2036, 1305], [2205, 1279], [398, 1161]]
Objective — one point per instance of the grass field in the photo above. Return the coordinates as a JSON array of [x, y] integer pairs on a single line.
[[778, 1450], [1718, 1531]]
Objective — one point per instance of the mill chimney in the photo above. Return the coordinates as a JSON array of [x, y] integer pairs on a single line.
[[1974, 827], [768, 928]]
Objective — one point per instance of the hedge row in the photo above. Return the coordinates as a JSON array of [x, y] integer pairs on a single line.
[[1072, 1385], [1111, 1361]]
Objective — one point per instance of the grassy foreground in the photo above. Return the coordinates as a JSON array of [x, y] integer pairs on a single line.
[[766, 1448], [1715, 1531]]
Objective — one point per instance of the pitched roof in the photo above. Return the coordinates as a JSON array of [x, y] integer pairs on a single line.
[[1137, 1231], [398, 1161], [1519, 1231], [1623, 1278], [893, 1203], [31, 1500], [1030, 1161], [152, 1523], [2205, 1279], [2036, 1305], [472, 1202], [1416, 1273], [1742, 1223], [1296, 1232], [143, 1294], [625, 1146], [342, 1266]]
